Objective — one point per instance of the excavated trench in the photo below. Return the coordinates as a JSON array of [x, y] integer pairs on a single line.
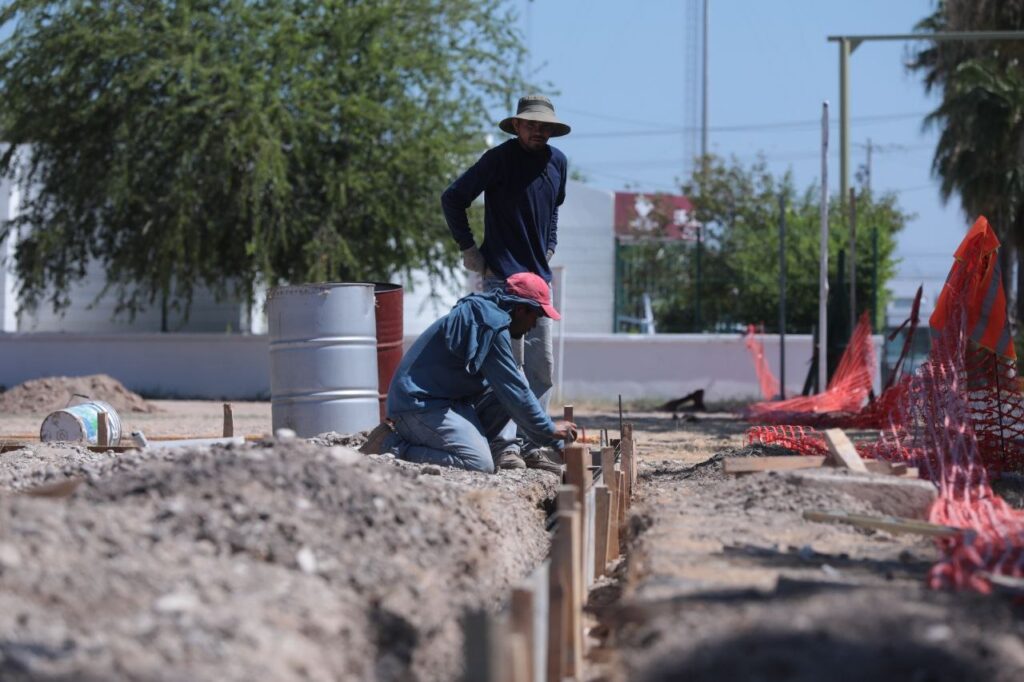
[[272, 560]]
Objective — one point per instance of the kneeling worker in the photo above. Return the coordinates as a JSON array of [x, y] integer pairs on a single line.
[[458, 394]]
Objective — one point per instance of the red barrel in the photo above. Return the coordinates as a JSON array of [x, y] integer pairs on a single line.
[[388, 299]]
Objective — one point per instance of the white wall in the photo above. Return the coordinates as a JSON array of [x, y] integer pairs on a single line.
[[598, 366], [586, 251], [85, 314]]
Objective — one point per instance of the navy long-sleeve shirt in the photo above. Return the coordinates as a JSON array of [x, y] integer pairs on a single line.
[[522, 192]]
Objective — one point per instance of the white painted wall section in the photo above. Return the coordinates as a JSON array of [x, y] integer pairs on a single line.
[[236, 366]]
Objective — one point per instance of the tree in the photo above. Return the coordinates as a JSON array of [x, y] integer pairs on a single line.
[[980, 152], [222, 142], [739, 207]]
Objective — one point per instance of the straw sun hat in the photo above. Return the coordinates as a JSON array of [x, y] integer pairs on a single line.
[[536, 108]]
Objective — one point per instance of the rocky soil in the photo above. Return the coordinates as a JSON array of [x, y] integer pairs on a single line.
[[283, 561]]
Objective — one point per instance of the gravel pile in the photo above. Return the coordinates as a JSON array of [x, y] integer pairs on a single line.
[[281, 561], [42, 396]]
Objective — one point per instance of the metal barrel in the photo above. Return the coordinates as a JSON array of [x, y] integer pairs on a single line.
[[389, 337], [323, 358], [80, 424]]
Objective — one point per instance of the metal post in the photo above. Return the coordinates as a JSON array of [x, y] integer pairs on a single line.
[[874, 278], [844, 118], [782, 297], [823, 257], [696, 297], [704, 83], [853, 259]]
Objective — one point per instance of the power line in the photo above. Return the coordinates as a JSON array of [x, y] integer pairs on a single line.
[[808, 124]]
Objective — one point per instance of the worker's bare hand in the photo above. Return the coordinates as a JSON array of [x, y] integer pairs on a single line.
[[565, 431]]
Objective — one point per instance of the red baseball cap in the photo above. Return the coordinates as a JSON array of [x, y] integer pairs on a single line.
[[533, 287]]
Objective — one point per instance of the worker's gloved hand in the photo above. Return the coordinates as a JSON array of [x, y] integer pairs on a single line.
[[565, 431], [551, 254], [473, 260]]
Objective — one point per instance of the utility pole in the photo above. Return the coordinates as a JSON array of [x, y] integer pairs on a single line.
[[703, 154], [867, 173], [853, 260]]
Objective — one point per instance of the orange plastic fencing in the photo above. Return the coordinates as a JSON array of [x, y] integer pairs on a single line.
[[960, 419], [844, 397], [765, 378]]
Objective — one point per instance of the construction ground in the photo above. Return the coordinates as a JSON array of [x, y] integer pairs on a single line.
[[301, 559]]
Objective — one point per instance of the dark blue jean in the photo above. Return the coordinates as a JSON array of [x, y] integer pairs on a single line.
[[463, 435]]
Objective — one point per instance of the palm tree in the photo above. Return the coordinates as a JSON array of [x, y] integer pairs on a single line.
[[979, 156]]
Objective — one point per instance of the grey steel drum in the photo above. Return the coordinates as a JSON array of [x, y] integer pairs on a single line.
[[323, 358]]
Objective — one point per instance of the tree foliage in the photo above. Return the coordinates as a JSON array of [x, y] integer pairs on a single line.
[[739, 284], [220, 142], [980, 153]]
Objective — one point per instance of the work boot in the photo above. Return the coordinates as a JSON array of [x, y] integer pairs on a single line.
[[538, 459], [374, 444], [509, 459]]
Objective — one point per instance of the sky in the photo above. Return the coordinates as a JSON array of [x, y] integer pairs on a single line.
[[620, 79]]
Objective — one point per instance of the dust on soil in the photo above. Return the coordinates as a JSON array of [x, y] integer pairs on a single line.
[[42, 396], [725, 580], [272, 560]]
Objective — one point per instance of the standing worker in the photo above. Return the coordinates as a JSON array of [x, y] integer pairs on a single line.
[[523, 182], [458, 394]]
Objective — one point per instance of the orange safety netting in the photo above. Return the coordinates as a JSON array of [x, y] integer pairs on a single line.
[[765, 378], [959, 418], [845, 394]]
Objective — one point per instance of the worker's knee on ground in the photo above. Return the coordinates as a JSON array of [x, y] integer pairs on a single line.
[[484, 467]]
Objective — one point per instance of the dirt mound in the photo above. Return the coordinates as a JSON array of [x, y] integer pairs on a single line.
[[281, 561], [42, 396]]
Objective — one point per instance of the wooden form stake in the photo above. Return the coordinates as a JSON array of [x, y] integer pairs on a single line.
[[481, 651], [520, 625], [576, 472], [102, 429], [602, 500], [611, 480], [229, 421], [567, 413]]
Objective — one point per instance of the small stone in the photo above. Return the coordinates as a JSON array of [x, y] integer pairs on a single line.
[[431, 470], [284, 435], [176, 602], [302, 504], [10, 557], [938, 632], [830, 571], [306, 560], [344, 455], [379, 504]]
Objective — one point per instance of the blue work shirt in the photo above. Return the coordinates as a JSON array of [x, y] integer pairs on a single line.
[[522, 193], [462, 354]]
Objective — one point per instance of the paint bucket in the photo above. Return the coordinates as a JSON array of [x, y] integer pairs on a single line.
[[80, 424], [323, 358], [388, 299]]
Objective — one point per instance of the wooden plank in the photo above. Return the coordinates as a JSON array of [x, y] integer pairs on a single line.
[[589, 538], [842, 452], [602, 531], [229, 422], [626, 462], [620, 484], [892, 524], [749, 465], [520, 624]]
